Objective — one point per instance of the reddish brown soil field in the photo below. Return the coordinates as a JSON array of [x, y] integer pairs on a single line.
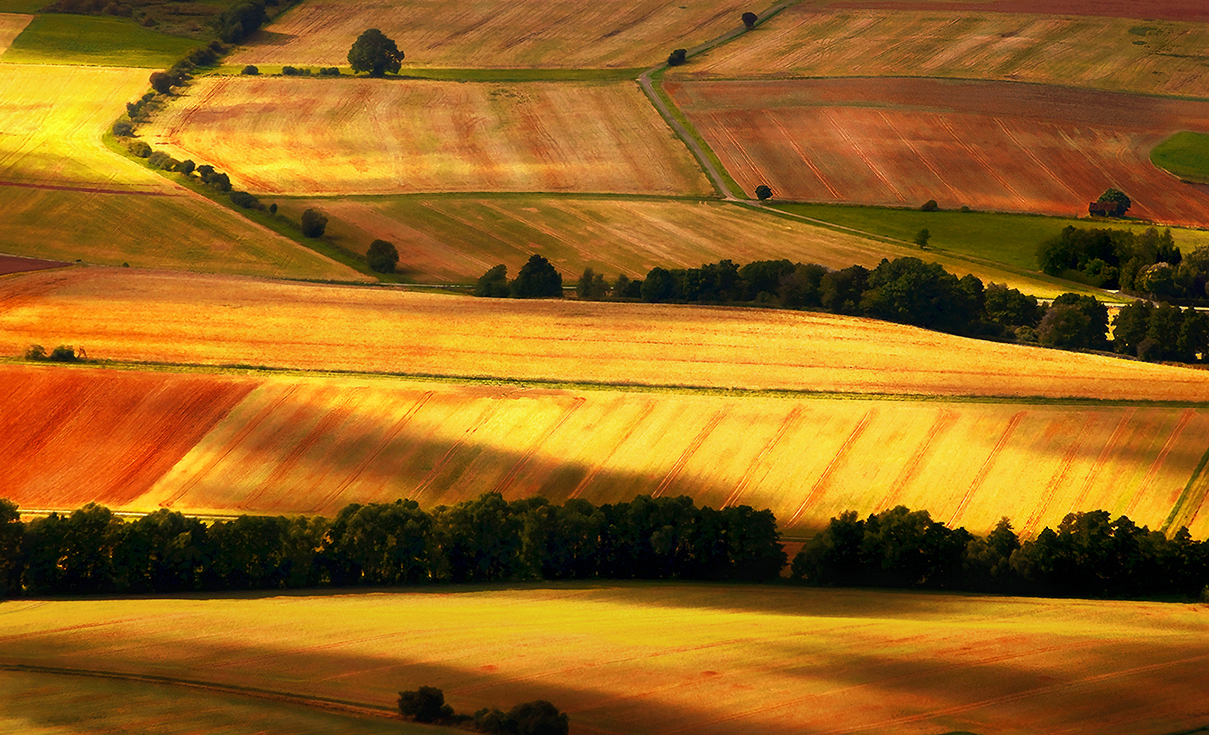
[[17, 264], [72, 436], [1187, 10], [988, 145]]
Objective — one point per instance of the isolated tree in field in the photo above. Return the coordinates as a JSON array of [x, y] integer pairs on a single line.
[[427, 704], [314, 223], [677, 57], [763, 192], [494, 283], [749, 20], [1116, 196], [929, 206], [373, 52], [537, 279], [922, 237], [382, 256]]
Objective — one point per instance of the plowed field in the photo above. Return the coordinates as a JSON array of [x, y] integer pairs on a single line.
[[994, 146], [1152, 57], [1183, 10], [483, 34], [446, 239], [14, 264], [11, 25], [639, 659], [53, 118], [303, 136], [219, 320]]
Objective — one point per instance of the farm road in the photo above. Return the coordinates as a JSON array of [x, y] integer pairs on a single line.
[[648, 87]]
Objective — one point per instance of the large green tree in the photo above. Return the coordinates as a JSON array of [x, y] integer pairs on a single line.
[[373, 52]]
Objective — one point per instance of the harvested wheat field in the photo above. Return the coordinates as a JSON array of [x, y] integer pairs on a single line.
[[480, 34], [53, 118], [310, 136], [664, 658], [994, 146], [11, 25], [455, 239], [184, 232], [225, 320], [1193, 11], [1155, 57]]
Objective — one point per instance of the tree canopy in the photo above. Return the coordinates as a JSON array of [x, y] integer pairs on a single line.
[[373, 52]]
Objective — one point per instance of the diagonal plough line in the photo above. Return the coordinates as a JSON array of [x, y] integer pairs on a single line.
[[692, 139]]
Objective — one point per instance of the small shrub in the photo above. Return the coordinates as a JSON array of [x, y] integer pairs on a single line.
[[123, 129], [162, 160], [35, 352], [250, 70], [965, 209], [314, 223], [329, 71], [749, 20], [244, 199], [677, 57], [139, 148], [382, 256], [273, 208], [63, 353], [922, 237], [427, 704], [929, 206], [162, 82], [186, 166], [763, 191], [289, 71]]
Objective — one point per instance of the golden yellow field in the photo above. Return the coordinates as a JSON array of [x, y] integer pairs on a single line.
[[311, 136], [638, 659], [1153, 57], [53, 118], [444, 239], [11, 25], [481, 34], [228, 320]]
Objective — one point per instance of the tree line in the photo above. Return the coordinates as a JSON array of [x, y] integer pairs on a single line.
[[540, 717], [488, 539], [1149, 265], [1088, 555]]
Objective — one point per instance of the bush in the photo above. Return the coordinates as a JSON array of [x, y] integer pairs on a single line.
[[749, 20], [427, 704], [494, 283], [591, 286], [35, 352], [677, 57], [329, 71], [139, 148], [123, 129], [162, 160], [763, 191], [186, 166], [929, 206], [244, 199], [241, 20], [382, 256], [537, 718], [314, 224], [250, 70], [162, 82], [63, 353], [289, 71], [273, 208]]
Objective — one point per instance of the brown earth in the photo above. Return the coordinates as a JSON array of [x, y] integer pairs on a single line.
[[1183, 10], [17, 264]]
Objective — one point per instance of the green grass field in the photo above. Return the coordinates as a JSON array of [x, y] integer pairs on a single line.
[[1184, 154], [1008, 239], [96, 41], [21, 6]]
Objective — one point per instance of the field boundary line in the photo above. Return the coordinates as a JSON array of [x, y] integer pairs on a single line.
[[341, 706], [1188, 505]]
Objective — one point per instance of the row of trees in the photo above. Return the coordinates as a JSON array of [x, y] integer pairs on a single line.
[[486, 539], [537, 279], [1149, 264], [427, 705], [1089, 554]]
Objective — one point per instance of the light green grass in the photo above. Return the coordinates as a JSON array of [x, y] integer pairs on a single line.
[[21, 6], [1184, 154], [1008, 239], [81, 39]]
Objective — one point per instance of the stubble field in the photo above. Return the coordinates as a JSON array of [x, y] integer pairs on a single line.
[[311, 136], [1192, 11], [995, 146], [223, 320], [11, 25], [480, 34], [659, 658], [1151, 57]]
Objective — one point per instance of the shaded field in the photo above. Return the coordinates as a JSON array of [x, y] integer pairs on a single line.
[[55, 38], [994, 146], [482, 34], [16, 264], [1193, 11], [42, 703], [284, 135], [1011, 239], [11, 25], [180, 232], [661, 658], [1184, 154], [227, 320], [443, 239], [1151, 57], [53, 118]]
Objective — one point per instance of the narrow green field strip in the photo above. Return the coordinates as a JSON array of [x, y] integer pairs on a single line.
[[96, 41], [1184, 154], [1191, 500], [453, 75], [656, 83]]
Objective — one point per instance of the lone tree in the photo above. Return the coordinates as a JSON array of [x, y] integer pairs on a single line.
[[537, 279], [922, 237], [763, 192], [382, 256], [375, 53], [427, 704], [749, 20], [677, 57], [1117, 197], [314, 223]]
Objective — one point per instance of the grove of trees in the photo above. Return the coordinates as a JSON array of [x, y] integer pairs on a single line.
[[1147, 264], [537, 279]]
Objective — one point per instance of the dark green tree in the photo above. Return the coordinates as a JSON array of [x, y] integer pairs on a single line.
[[763, 191], [591, 286], [537, 718], [537, 279], [382, 256], [373, 52], [1010, 307], [241, 20], [749, 20], [677, 57], [1130, 326], [922, 237], [658, 286], [385, 544], [494, 283], [12, 531], [426, 704], [1116, 196], [314, 223]]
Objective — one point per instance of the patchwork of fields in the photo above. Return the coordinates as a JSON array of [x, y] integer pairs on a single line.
[[643, 659], [1151, 57], [994, 146], [281, 135], [481, 34]]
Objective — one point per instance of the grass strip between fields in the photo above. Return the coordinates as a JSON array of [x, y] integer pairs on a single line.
[[678, 114], [56, 38], [448, 75], [1192, 497], [248, 370]]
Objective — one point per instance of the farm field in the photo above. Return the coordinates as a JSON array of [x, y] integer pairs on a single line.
[[1185, 154], [443, 239], [991, 146], [669, 658], [379, 136], [11, 25], [215, 320], [16, 264], [54, 38], [1193, 11], [1122, 54], [480, 34], [1011, 239]]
